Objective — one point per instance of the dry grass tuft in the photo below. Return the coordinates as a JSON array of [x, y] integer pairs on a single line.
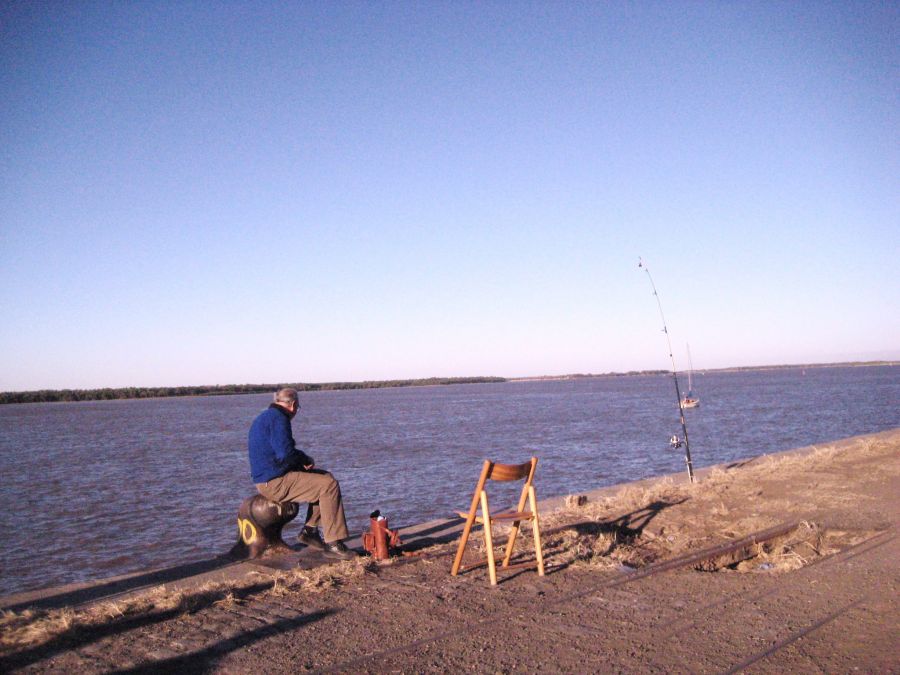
[[29, 628], [33, 626], [818, 457], [561, 517], [797, 550], [594, 551], [635, 497], [716, 478], [320, 579], [601, 550], [627, 500]]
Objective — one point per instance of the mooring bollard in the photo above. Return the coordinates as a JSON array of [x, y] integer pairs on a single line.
[[260, 522]]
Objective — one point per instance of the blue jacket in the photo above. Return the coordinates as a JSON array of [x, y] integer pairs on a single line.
[[271, 446]]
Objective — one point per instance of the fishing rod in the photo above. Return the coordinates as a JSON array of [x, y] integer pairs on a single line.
[[675, 442]]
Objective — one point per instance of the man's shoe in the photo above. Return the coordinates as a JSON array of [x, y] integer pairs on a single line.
[[311, 538], [338, 551]]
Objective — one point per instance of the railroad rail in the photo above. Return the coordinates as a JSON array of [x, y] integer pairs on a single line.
[[680, 562]]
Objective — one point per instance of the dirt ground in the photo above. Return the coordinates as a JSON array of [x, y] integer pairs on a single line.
[[637, 581]]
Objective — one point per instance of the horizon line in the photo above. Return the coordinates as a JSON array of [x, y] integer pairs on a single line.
[[483, 379]]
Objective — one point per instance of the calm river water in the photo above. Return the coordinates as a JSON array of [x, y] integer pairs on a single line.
[[96, 489]]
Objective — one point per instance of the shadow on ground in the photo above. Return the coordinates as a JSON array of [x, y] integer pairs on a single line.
[[626, 530], [115, 587], [204, 660], [81, 635]]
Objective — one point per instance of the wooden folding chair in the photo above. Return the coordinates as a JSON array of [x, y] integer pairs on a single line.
[[502, 472]]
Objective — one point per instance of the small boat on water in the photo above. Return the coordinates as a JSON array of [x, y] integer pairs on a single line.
[[689, 400]]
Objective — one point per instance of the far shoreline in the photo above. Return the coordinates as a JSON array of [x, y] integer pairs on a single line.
[[703, 371], [124, 393]]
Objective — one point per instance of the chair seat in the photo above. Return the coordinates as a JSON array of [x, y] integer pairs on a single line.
[[484, 562], [506, 515]]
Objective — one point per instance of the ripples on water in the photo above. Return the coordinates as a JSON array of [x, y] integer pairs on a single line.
[[96, 489]]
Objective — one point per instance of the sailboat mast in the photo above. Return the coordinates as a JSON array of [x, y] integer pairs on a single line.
[[687, 447], [690, 371]]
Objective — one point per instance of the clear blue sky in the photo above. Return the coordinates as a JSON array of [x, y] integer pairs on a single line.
[[202, 193]]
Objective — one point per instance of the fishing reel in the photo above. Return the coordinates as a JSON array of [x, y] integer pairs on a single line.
[[675, 442]]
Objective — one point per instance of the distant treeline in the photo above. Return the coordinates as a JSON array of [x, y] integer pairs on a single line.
[[795, 366], [732, 369], [578, 376], [63, 395]]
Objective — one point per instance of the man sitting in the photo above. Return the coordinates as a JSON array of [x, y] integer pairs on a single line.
[[282, 473]]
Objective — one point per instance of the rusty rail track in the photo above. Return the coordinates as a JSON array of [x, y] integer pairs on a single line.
[[692, 559], [665, 566], [793, 637], [746, 597]]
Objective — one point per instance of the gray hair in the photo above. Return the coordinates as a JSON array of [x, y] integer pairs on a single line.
[[286, 395]]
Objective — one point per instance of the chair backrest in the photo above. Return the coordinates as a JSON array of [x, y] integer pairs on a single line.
[[507, 472]]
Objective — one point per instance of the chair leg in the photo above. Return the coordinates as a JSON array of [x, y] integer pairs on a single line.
[[539, 554], [488, 539], [470, 519], [462, 544], [514, 532]]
